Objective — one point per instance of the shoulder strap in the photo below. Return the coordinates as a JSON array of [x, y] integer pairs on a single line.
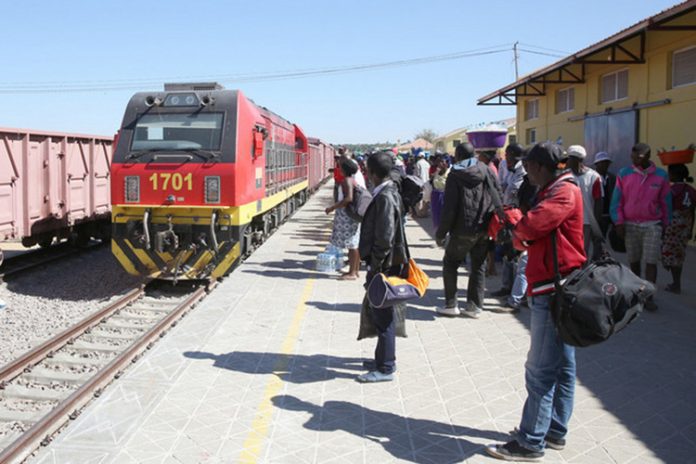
[[494, 191], [403, 233], [556, 271]]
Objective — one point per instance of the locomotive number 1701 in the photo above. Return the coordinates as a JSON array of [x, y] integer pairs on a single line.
[[165, 180]]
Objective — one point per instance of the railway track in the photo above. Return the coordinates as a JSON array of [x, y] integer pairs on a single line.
[[35, 259], [47, 386]]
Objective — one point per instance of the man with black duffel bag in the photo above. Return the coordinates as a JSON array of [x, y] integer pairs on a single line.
[[550, 366]]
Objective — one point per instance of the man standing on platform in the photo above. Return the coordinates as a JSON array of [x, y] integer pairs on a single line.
[[466, 213], [590, 183], [641, 208], [550, 366], [382, 247], [601, 163]]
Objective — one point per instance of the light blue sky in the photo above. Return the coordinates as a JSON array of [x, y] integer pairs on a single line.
[[141, 43]]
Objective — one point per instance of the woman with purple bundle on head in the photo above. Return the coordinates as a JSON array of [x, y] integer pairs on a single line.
[[681, 229]]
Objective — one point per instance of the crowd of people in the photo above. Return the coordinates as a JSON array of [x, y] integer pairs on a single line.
[[518, 207]]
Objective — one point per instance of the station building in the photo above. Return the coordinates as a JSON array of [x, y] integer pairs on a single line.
[[637, 85]]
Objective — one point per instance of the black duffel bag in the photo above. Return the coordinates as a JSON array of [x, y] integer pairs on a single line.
[[597, 300]]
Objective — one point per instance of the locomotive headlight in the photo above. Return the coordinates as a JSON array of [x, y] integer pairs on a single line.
[[132, 189], [212, 189]]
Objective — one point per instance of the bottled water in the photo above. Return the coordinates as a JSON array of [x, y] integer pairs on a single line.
[[326, 263], [338, 254]]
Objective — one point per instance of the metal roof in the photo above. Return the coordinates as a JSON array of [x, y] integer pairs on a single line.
[[620, 54]]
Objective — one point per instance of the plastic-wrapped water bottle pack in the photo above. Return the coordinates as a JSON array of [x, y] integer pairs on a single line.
[[330, 260]]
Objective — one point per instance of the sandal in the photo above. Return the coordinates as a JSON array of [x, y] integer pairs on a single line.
[[348, 277]]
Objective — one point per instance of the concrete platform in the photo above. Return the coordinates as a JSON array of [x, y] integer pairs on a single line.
[[263, 371]]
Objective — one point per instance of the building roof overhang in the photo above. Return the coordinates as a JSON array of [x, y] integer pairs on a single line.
[[625, 47]]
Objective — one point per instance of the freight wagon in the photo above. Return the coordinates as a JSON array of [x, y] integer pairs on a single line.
[[321, 159], [53, 186]]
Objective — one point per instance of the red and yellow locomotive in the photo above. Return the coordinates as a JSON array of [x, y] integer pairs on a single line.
[[200, 176]]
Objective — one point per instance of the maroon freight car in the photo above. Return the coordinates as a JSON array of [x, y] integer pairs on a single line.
[[321, 159], [53, 185]]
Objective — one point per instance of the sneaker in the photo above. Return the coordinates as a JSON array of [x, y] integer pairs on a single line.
[[502, 292], [472, 311], [374, 376], [555, 443], [514, 307], [371, 365], [448, 311], [650, 305], [513, 451]]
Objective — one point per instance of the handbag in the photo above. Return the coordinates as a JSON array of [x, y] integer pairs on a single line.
[[385, 291], [597, 300]]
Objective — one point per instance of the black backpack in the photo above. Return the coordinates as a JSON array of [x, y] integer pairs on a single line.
[[597, 300], [411, 190], [361, 200]]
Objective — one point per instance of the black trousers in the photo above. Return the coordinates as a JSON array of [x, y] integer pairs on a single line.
[[455, 254], [385, 352]]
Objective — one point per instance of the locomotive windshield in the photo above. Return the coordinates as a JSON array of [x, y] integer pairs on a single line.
[[180, 131]]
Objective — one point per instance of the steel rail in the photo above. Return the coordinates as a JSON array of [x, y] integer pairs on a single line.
[[37, 354], [43, 256], [40, 432]]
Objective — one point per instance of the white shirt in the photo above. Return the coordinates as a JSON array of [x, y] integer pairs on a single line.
[[422, 170], [587, 181]]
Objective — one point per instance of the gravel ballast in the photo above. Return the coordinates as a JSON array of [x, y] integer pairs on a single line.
[[42, 303]]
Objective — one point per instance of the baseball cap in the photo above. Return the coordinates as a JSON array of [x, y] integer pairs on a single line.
[[577, 151], [546, 153], [602, 156]]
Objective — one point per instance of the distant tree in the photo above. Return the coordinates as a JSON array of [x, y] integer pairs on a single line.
[[427, 134]]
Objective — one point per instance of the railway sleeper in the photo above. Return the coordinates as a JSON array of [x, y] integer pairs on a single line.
[[63, 359], [82, 345], [24, 417], [104, 335], [110, 324], [135, 317], [43, 375], [33, 394], [154, 309]]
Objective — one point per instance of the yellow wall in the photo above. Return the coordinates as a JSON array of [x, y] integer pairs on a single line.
[[446, 143], [662, 126]]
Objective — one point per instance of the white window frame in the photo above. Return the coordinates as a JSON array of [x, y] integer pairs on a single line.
[[616, 88], [565, 89], [673, 73], [528, 133], [526, 105]]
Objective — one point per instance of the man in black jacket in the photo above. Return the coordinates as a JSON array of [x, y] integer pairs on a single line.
[[465, 216], [382, 247]]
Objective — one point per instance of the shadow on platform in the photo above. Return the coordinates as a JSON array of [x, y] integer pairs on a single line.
[[293, 368], [437, 441]]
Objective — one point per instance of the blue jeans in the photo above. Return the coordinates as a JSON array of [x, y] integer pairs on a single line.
[[519, 286], [549, 378]]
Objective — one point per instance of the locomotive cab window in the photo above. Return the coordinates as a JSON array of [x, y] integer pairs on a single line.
[[180, 131]]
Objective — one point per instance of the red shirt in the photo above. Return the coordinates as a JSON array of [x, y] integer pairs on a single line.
[[337, 173], [559, 208]]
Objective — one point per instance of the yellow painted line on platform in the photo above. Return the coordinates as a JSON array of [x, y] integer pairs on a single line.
[[264, 412]]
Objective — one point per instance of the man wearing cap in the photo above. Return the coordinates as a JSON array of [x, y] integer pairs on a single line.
[[601, 163], [590, 183], [641, 208], [550, 366]]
